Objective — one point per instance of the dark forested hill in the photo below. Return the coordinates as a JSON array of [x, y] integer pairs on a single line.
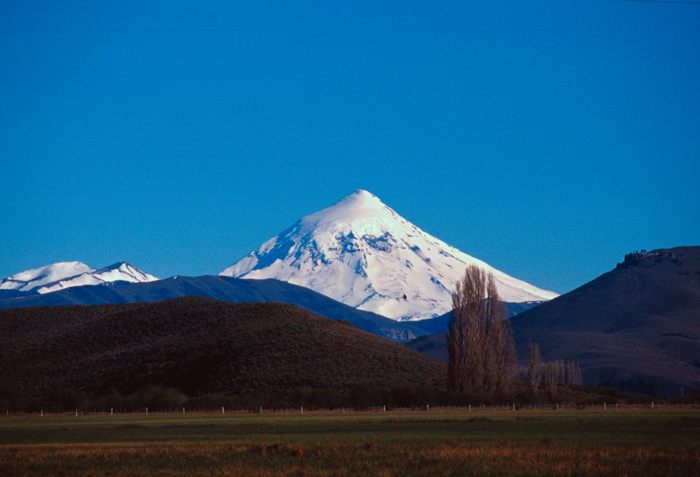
[[221, 288], [198, 345]]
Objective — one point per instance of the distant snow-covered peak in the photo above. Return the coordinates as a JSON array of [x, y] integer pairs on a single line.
[[124, 272], [30, 279], [58, 276], [362, 253]]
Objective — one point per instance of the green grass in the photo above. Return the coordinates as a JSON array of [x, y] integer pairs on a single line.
[[627, 427], [646, 442]]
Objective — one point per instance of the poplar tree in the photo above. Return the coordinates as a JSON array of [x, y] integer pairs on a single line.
[[534, 361], [482, 358]]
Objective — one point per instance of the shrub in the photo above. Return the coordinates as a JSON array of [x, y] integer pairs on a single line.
[[158, 397]]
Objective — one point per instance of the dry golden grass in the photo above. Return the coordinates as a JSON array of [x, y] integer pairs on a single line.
[[490, 443], [336, 459]]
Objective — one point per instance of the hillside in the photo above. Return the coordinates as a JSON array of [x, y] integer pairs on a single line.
[[222, 288], [434, 346], [635, 328], [198, 345]]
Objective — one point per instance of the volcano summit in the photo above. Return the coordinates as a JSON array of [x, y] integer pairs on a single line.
[[362, 253]]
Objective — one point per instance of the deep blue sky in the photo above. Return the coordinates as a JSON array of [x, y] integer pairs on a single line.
[[546, 138]]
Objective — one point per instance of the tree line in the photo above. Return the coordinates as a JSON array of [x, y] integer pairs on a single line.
[[480, 346], [156, 397], [548, 374]]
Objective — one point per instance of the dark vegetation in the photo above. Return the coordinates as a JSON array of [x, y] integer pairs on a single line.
[[159, 398], [549, 374], [199, 346]]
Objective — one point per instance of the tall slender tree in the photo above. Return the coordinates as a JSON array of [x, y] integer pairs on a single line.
[[533, 372], [480, 345]]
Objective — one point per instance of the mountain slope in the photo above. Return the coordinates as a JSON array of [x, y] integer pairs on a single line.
[[362, 253], [199, 345], [62, 275], [222, 288], [439, 324], [635, 328], [30, 279]]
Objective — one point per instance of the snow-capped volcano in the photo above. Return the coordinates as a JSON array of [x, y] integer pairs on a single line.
[[362, 253], [58, 276]]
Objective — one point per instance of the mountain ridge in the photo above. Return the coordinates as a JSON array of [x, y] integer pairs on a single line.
[[62, 275]]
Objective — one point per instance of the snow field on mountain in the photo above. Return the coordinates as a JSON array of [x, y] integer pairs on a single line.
[[30, 279], [362, 253], [58, 276]]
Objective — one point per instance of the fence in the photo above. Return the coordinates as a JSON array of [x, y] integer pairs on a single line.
[[613, 406]]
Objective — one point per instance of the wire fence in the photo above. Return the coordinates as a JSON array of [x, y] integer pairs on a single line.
[[612, 407]]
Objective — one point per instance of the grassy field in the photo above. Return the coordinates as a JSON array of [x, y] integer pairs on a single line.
[[611, 442]]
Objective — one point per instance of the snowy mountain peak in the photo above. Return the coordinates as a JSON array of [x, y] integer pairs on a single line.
[[123, 271], [360, 214], [360, 205], [71, 274], [30, 279], [362, 253]]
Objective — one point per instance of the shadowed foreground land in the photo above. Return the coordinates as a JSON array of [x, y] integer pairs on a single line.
[[659, 442], [199, 346]]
